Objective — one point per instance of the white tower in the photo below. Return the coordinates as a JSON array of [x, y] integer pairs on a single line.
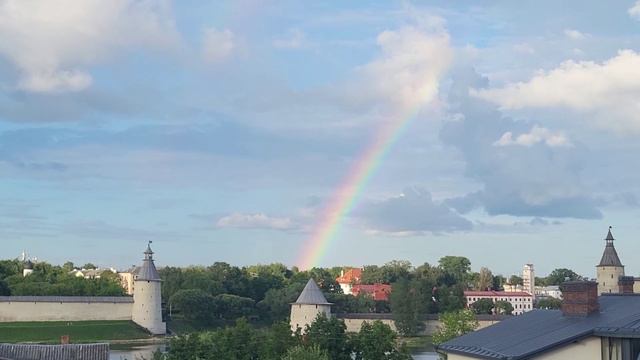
[[309, 305], [27, 268], [147, 299], [610, 268], [528, 279]]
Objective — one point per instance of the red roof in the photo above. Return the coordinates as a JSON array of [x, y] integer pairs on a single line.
[[496, 293], [377, 291], [351, 276]]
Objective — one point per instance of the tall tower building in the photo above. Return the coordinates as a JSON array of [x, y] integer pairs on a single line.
[[610, 268], [147, 299], [528, 279], [309, 305]]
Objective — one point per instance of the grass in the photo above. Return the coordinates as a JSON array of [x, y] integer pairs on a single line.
[[418, 343], [79, 331]]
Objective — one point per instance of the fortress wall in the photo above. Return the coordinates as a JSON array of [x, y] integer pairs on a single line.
[[354, 322], [16, 311]]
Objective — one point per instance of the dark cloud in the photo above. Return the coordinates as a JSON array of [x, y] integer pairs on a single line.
[[537, 180], [413, 211]]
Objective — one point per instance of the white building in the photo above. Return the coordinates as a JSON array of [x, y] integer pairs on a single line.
[[309, 305], [147, 298], [521, 301], [528, 279], [548, 291]]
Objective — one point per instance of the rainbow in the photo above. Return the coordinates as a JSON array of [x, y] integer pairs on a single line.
[[345, 198]]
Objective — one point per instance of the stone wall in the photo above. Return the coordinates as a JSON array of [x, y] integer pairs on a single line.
[[354, 321], [64, 308]]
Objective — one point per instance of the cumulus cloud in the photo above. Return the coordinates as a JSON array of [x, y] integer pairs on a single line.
[[217, 45], [634, 11], [574, 34], [609, 90], [52, 43], [414, 211], [255, 221], [295, 39], [535, 136], [538, 181]]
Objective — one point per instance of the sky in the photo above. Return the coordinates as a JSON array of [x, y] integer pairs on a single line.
[[507, 132]]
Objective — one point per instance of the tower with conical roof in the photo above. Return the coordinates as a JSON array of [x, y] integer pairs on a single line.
[[147, 300], [309, 305], [610, 268]]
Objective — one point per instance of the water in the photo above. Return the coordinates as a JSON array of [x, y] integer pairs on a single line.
[[134, 351], [425, 356]]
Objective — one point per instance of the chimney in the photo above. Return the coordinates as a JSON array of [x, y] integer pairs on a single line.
[[625, 283], [579, 298]]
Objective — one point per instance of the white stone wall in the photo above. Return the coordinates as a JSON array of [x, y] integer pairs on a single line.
[[430, 326], [608, 279], [303, 315], [63, 311], [147, 307]]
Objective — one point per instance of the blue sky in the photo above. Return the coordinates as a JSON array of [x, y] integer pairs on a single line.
[[219, 130]]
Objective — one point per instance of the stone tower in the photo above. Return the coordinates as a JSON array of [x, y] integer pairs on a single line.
[[147, 301], [528, 279], [309, 305], [610, 268]]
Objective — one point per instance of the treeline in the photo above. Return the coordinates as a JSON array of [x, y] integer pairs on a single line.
[[325, 339], [50, 280]]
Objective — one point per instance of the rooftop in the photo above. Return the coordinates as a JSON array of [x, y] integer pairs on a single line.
[[497, 293], [536, 331], [610, 255], [311, 295], [54, 352], [351, 276]]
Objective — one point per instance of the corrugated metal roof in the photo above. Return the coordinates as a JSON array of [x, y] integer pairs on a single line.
[[536, 331], [55, 352], [311, 295], [68, 299]]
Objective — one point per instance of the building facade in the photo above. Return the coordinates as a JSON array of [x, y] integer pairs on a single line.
[[348, 279], [528, 279], [521, 301]]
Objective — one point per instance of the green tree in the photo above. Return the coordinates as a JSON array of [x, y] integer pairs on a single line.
[[548, 303], [330, 335], [194, 305], [485, 279], [483, 306], [503, 307], [231, 307], [410, 301], [68, 266], [456, 266], [558, 276], [306, 353], [89, 266], [454, 324], [515, 280], [378, 341]]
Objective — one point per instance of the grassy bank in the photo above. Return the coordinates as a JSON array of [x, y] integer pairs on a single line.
[[79, 331]]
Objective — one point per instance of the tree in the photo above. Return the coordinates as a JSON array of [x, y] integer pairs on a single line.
[[306, 353], [408, 306], [483, 306], [503, 307], [485, 279], [329, 334], [68, 266], [558, 276], [454, 324], [89, 266], [231, 307], [457, 266], [515, 280], [194, 305], [548, 303], [378, 341]]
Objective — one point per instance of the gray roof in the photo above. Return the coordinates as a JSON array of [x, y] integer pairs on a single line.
[[54, 352], [523, 336], [148, 271], [610, 255], [68, 299], [311, 295]]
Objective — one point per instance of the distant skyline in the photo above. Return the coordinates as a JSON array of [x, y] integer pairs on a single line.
[[223, 130]]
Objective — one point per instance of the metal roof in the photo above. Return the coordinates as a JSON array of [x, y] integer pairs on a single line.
[[610, 255], [68, 299], [311, 295], [523, 336], [55, 352], [148, 271]]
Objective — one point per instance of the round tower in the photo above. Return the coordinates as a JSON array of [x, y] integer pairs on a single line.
[[27, 268], [610, 268], [309, 305], [147, 298]]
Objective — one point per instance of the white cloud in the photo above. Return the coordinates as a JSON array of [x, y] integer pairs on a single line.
[[574, 34], [609, 90], [217, 45], [51, 42], [295, 39], [634, 11], [535, 136], [255, 221]]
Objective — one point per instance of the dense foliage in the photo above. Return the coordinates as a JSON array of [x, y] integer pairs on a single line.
[[325, 339], [48, 279], [455, 324]]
